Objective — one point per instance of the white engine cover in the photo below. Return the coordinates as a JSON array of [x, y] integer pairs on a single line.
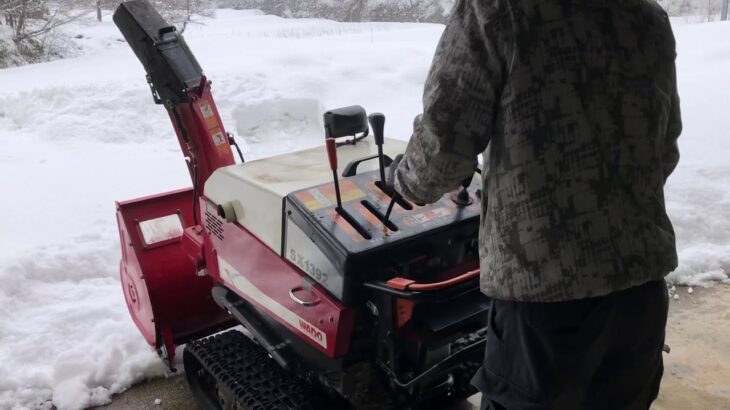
[[256, 189]]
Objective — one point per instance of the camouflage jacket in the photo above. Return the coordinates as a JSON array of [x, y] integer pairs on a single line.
[[574, 105]]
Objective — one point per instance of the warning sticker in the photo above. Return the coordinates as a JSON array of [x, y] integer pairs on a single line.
[[209, 115], [206, 110], [374, 221], [427, 216], [325, 196], [218, 138], [345, 226]]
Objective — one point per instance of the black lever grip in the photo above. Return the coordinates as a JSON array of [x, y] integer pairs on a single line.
[[377, 123]]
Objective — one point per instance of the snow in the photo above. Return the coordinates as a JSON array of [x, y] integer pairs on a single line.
[[698, 193], [81, 133]]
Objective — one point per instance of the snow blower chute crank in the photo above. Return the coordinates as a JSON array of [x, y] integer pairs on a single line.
[[340, 307]]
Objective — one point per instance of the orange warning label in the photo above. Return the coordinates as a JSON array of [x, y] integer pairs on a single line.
[[371, 218], [427, 216], [218, 137], [344, 225], [209, 115], [324, 196], [206, 109], [383, 197]]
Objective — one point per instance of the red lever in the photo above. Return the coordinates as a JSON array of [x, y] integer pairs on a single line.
[[332, 155], [332, 152]]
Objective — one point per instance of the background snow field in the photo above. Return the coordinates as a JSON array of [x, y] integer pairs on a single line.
[[78, 134]]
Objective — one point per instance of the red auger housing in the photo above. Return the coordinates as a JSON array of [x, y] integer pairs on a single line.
[[339, 307]]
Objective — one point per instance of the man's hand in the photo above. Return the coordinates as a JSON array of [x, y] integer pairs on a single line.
[[390, 178]]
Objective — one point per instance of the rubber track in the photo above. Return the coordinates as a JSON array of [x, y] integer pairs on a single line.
[[467, 370], [256, 381]]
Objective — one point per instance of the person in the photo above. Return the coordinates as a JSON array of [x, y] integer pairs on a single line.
[[574, 105]]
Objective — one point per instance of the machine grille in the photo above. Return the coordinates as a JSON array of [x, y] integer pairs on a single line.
[[213, 225]]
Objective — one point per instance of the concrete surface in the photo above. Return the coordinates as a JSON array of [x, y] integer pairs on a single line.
[[696, 377]]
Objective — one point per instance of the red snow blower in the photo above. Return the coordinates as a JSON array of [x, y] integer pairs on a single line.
[[338, 306]]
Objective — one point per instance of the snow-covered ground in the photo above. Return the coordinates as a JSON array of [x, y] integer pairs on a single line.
[[78, 134]]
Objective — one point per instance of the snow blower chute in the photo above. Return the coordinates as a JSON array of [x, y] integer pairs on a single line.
[[340, 307]]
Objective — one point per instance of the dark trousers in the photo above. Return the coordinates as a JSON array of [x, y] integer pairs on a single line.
[[594, 354]]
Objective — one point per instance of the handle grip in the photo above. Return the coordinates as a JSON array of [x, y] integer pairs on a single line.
[[409, 284], [467, 181], [377, 123], [331, 152], [292, 296]]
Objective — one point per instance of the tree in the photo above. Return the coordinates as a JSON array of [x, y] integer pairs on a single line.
[[30, 32], [434, 11], [712, 9], [35, 18], [177, 12]]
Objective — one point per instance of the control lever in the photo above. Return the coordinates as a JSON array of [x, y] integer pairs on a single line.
[[462, 198], [377, 123], [391, 178], [332, 156]]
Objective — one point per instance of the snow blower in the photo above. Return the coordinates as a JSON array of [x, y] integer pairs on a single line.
[[283, 278]]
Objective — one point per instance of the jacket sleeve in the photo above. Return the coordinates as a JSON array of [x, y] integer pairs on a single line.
[[670, 156], [459, 105]]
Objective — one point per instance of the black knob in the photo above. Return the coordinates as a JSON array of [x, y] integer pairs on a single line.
[[462, 198], [377, 123]]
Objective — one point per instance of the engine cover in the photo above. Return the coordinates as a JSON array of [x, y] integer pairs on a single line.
[[256, 190]]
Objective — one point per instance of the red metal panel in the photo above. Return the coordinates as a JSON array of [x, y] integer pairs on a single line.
[[201, 133], [193, 244], [163, 293], [266, 280]]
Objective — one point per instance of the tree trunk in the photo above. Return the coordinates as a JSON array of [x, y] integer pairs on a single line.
[[20, 26], [188, 15], [724, 10], [98, 10]]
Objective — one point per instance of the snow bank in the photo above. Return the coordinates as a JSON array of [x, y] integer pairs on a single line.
[[698, 193], [273, 124], [80, 133], [66, 333]]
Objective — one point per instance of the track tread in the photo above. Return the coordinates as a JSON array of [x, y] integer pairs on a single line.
[[256, 381], [463, 376]]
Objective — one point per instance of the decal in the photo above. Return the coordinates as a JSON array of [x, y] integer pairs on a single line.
[[374, 221], [239, 282], [427, 216], [306, 255], [324, 196], [206, 110], [161, 229], [378, 193], [308, 267], [218, 138], [320, 198], [311, 331], [210, 119], [345, 226]]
